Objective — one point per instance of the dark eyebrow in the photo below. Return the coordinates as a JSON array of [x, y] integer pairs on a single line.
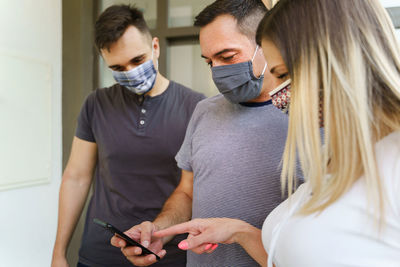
[[114, 66], [273, 70], [132, 60], [220, 52]]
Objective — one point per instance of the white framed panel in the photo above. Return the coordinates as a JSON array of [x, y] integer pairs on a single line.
[[25, 119]]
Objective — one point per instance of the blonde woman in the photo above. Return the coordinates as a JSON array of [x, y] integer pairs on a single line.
[[343, 61]]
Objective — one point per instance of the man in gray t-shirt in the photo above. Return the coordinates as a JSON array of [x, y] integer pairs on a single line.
[[230, 158], [234, 152]]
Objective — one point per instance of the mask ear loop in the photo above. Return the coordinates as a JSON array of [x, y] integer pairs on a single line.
[[255, 52], [254, 56], [265, 68]]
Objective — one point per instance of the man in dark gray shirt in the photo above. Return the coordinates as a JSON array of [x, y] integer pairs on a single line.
[[127, 137]]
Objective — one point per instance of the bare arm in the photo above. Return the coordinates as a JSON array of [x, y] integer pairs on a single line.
[[249, 237], [219, 230], [74, 189], [178, 207]]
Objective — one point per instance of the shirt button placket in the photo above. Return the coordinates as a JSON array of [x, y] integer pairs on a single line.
[[142, 119]]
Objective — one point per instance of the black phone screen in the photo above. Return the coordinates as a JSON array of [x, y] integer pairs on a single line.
[[129, 241]]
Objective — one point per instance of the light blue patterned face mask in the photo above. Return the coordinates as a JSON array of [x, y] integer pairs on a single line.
[[139, 80]]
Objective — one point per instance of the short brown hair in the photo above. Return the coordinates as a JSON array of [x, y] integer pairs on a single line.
[[114, 21], [247, 13]]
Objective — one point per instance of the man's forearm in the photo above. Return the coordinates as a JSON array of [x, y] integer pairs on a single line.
[[72, 199], [177, 209]]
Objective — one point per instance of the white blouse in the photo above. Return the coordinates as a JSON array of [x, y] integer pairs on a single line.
[[344, 234]]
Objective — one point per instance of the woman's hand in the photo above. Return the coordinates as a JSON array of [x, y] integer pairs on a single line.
[[204, 234]]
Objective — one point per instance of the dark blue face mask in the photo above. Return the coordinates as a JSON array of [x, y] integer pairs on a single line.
[[237, 82]]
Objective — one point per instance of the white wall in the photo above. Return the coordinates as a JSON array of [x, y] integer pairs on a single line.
[[28, 217]]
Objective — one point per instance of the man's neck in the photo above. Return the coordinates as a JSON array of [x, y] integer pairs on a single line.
[[160, 86]]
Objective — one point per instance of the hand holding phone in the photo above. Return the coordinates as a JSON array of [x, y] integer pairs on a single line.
[[128, 240]]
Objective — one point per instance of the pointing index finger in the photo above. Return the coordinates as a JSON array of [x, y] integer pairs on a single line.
[[174, 230]]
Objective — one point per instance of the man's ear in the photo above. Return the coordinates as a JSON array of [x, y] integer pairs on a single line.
[[156, 47]]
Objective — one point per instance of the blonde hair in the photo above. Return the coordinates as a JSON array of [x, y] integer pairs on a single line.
[[345, 56]]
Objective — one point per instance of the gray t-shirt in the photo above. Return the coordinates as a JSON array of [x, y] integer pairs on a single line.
[[234, 152], [137, 138]]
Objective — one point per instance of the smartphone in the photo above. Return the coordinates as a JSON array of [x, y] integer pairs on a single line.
[[128, 240]]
